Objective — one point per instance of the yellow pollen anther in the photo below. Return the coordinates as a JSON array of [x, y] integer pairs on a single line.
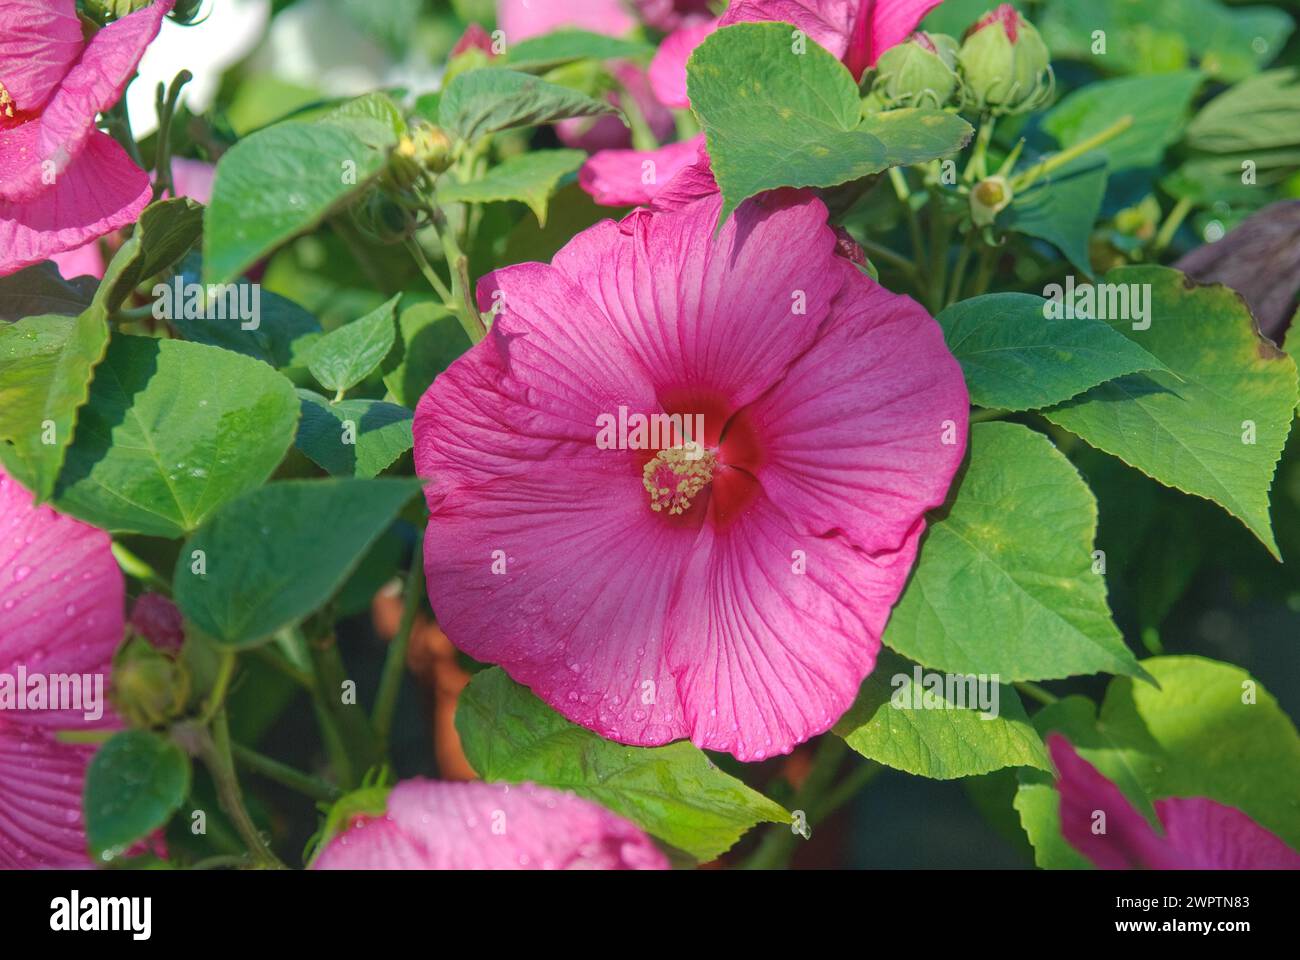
[[6, 102], [676, 475]]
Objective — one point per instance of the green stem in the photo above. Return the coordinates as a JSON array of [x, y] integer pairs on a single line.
[[430, 275], [983, 416], [345, 725], [217, 699], [216, 752], [984, 275], [285, 775], [462, 288], [879, 252], [140, 570], [938, 256], [281, 665], [959, 272], [899, 182], [1171, 224], [390, 683], [1035, 692], [166, 106], [1071, 153], [977, 167], [119, 127], [778, 845]]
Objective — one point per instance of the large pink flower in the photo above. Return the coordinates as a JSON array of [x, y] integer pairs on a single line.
[[489, 826], [61, 599], [1199, 833], [522, 19], [628, 178], [62, 182], [736, 598]]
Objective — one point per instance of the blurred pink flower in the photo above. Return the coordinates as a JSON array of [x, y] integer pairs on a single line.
[[669, 15], [522, 19], [609, 133], [1199, 833], [62, 182], [856, 31], [668, 68], [61, 596], [489, 826], [737, 597]]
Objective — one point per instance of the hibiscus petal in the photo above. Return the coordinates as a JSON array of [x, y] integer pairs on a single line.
[[489, 826], [829, 22], [628, 178], [853, 437], [40, 800], [531, 391], [102, 191], [884, 24], [61, 596], [773, 631], [1128, 842], [39, 41], [1213, 836], [94, 84], [668, 68], [580, 612], [721, 315]]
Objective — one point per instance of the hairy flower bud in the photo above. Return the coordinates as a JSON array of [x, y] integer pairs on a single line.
[[1005, 66], [919, 72], [150, 687]]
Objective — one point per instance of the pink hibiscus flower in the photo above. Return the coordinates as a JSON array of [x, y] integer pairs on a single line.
[[62, 182], [1199, 833], [669, 15], [856, 31], [733, 594], [61, 597], [522, 19], [489, 826]]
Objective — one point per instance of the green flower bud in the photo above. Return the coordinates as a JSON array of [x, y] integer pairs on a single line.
[[917, 73], [1004, 63], [988, 198], [423, 148], [383, 219], [150, 686]]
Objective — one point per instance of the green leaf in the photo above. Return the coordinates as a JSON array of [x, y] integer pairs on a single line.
[[530, 178], [1061, 208], [537, 54], [1016, 357], [431, 339], [166, 231], [134, 783], [944, 733], [776, 118], [489, 100], [261, 567], [1005, 584], [284, 331], [1187, 428], [1158, 105], [45, 370], [41, 290], [344, 357], [1261, 113], [171, 431], [1208, 730], [674, 792], [359, 438], [285, 180]]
